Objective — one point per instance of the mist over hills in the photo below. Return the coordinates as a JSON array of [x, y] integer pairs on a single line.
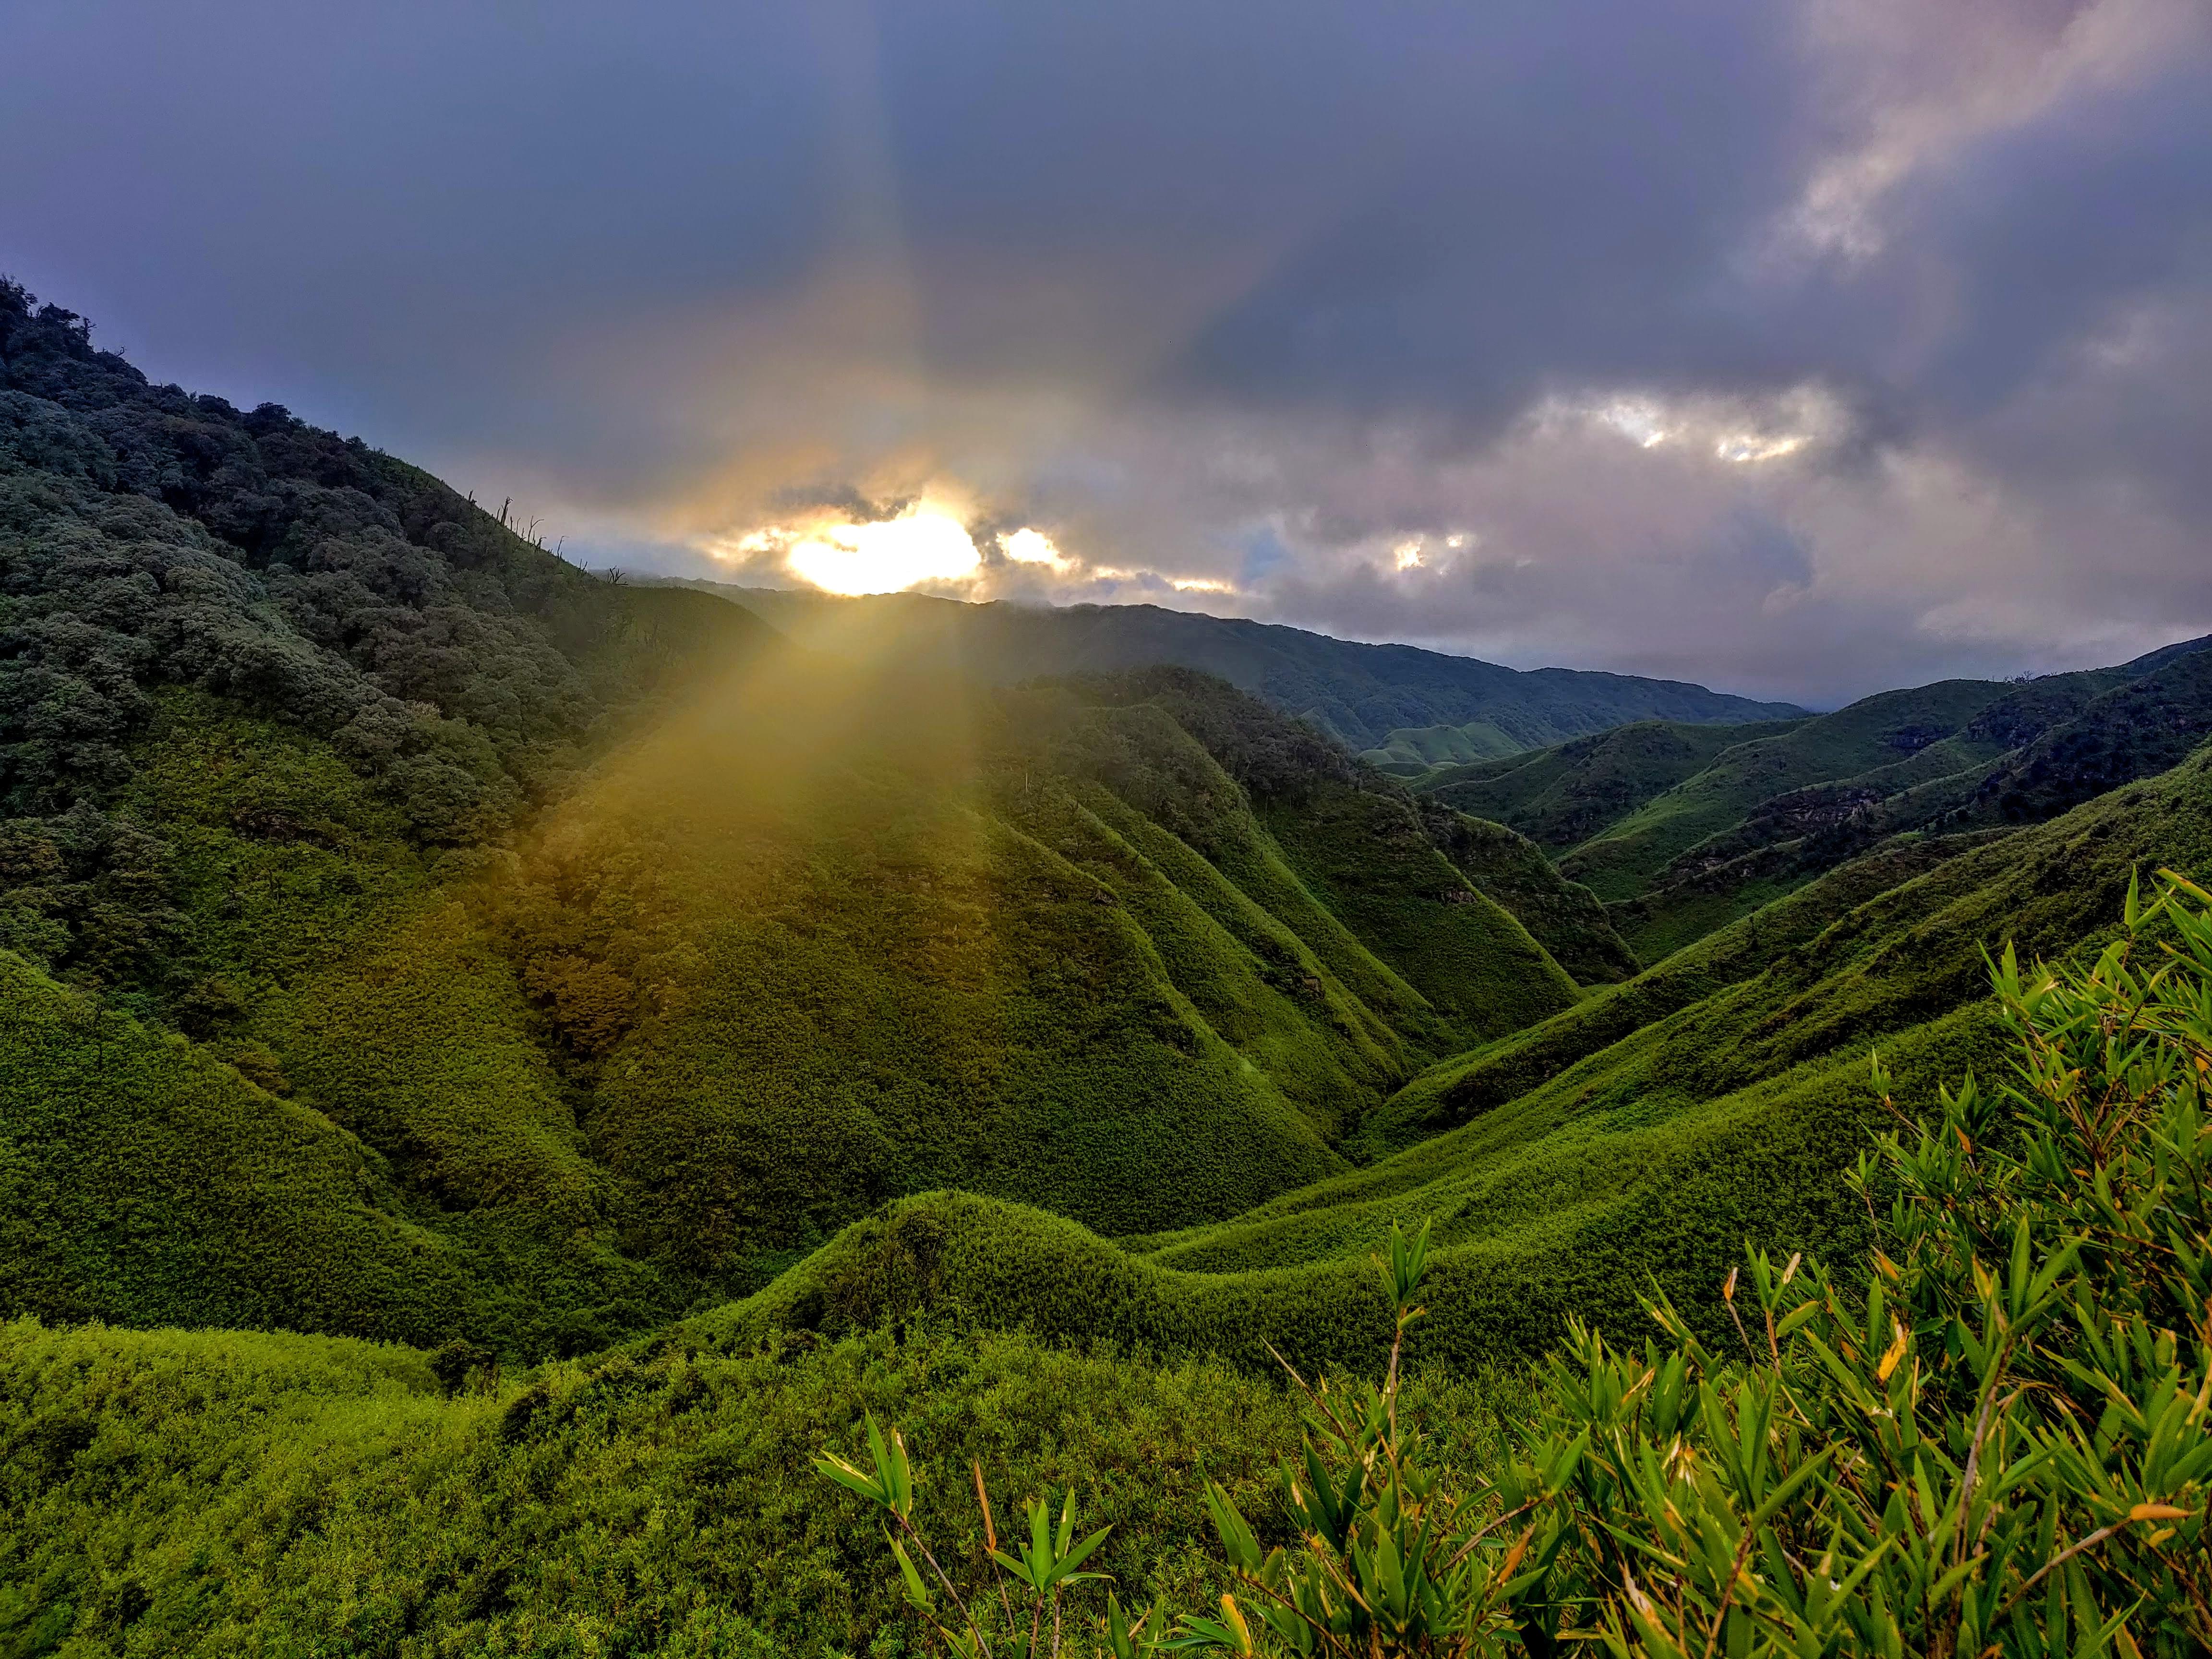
[[498, 1064]]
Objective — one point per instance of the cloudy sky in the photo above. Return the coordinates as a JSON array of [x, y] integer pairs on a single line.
[[1798, 347]]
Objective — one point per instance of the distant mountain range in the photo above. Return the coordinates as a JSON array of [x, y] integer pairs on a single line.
[[1682, 829], [1397, 705]]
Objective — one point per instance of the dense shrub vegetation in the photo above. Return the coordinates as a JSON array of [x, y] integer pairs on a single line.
[[2000, 1444]]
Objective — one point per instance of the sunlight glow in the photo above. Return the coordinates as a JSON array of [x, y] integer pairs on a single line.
[[1027, 546], [921, 545], [929, 545], [1409, 555]]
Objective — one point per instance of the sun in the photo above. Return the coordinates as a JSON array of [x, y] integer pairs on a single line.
[[923, 545]]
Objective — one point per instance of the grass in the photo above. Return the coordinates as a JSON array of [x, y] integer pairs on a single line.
[[1873, 732], [815, 941], [1564, 916], [191, 1494], [1642, 1135], [1416, 750], [1562, 796], [1063, 900], [221, 1492], [2043, 747]]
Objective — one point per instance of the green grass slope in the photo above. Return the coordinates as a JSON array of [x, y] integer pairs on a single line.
[[1562, 796], [816, 940], [2044, 746], [1467, 1086], [830, 939], [1873, 732], [1413, 751], [1728, 1109], [1564, 916], [214, 1494]]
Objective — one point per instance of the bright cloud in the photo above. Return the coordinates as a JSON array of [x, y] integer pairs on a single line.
[[923, 545], [1027, 546]]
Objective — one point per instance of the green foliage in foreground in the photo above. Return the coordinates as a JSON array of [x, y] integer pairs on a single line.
[[223, 1493], [2000, 1445]]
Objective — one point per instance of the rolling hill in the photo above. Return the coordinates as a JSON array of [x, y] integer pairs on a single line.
[[1680, 830], [405, 935], [1369, 697], [498, 1066], [657, 1495]]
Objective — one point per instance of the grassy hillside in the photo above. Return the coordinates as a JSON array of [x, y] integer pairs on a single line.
[[1564, 916], [288, 1491], [564, 953], [217, 1494], [1413, 751], [1682, 830], [819, 940], [1364, 695], [1564, 795], [1670, 1119], [1877, 730], [2042, 747]]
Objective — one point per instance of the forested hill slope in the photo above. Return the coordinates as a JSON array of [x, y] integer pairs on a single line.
[[155, 539], [404, 935], [1362, 694]]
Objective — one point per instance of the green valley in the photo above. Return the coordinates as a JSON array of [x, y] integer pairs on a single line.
[[500, 1067]]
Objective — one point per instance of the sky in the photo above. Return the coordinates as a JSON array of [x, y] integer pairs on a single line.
[[1799, 347]]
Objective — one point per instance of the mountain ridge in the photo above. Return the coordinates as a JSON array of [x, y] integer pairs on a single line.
[[1362, 694]]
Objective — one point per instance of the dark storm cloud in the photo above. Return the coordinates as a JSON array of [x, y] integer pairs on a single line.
[[1799, 347], [1581, 184]]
